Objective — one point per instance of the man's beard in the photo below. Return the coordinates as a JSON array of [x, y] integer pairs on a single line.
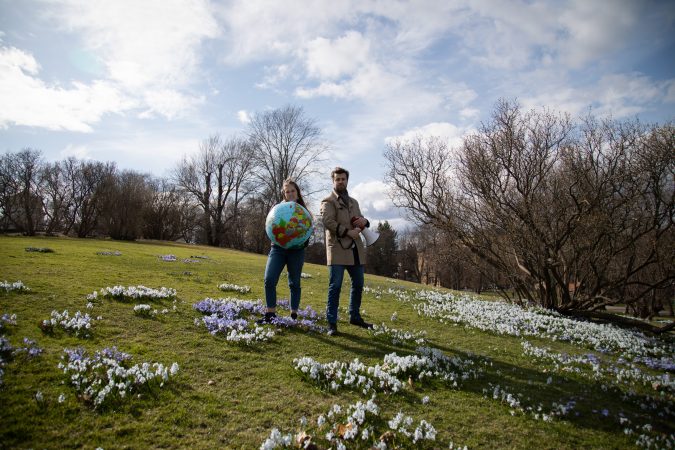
[[341, 189]]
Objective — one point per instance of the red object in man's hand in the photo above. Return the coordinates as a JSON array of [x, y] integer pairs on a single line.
[[354, 220]]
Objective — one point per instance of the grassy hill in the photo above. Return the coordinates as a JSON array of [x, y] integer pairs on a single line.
[[544, 394]]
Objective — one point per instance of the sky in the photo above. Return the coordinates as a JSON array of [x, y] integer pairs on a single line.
[[143, 82]]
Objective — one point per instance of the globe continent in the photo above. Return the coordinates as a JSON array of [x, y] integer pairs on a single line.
[[289, 225]]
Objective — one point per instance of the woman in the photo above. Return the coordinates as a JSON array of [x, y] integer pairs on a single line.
[[279, 258]]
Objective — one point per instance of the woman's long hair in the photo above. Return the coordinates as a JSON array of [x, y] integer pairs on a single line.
[[289, 181]]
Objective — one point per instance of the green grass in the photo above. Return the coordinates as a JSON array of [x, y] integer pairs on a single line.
[[230, 396]]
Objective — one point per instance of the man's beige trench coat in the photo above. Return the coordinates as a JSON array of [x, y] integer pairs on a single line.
[[336, 218]]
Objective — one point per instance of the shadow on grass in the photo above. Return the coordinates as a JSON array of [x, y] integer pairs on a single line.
[[597, 405]]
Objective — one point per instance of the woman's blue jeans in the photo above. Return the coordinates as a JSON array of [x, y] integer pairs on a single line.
[[276, 261], [336, 274]]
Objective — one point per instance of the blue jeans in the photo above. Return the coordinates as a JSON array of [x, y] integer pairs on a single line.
[[336, 274], [278, 259]]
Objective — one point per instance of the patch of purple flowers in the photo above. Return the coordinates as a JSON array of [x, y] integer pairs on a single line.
[[288, 322], [306, 312], [113, 353], [30, 347], [7, 319], [663, 363], [228, 308], [227, 314], [5, 347], [216, 324]]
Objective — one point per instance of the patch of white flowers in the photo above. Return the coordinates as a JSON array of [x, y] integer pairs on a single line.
[[144, 310], [250, 336], [107, 376], [354, 375], [509, 319], [595, 367], [305, 275], [399, 294], [229, 287], [15, 286], [79, 324], [391, 375], [359, 425], [516, 403], [134, 293], [398, 337]]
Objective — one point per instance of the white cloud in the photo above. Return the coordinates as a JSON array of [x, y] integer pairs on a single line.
[[14, 60], [469, 113], [450, 133], [144, 45], [244, 116], [77, 151], [626, 94], [27, 100], [458, 94], [274, 75], [169, 103], [326, 59], [517, 35], [592, 29], [377, 207], [258, 30], [155, 153], [618, 95], [670, 95], [374, 200]]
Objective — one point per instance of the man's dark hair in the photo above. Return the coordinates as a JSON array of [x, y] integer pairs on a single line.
[[339, 171]]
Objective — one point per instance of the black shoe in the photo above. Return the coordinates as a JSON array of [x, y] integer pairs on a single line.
[[332, 329], [294, 316], [267, 319], [359, 322]]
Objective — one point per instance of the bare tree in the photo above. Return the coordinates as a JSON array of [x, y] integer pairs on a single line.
[[253, 215], [575, 218], [9, 189], [239, 173], [21, 184], [87, 182], [57, 197], [195, 175], [170, 215], [286, 144], [125, 200], [216, 178]]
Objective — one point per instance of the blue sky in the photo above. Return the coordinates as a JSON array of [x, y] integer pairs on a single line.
[[142, 82]]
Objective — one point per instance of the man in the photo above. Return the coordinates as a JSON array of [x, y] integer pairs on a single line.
[[343, 222]]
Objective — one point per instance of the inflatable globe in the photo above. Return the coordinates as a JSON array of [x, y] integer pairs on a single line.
[[288, 225]]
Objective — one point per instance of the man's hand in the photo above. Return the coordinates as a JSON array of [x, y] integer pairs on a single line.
[[354, 233], [361, 222]]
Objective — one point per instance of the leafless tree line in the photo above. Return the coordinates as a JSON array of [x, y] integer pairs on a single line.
[[219, 195], [572, 216]]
